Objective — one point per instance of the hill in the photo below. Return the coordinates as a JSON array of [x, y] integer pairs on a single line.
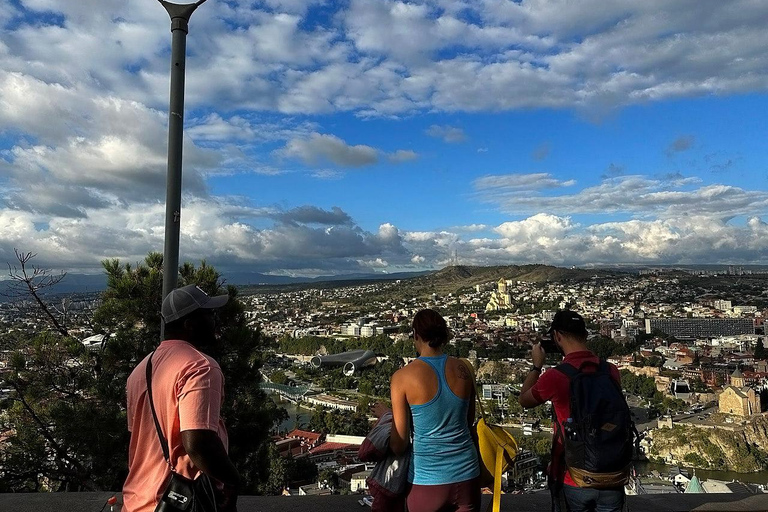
[[453, 278]]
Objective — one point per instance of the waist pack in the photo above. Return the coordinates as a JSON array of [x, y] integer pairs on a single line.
[[599, 436], [497, 448], [185, 495]]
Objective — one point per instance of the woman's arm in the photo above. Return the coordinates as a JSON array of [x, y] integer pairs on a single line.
[[398, 438]]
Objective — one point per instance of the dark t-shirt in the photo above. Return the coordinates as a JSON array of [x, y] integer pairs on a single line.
[[556, 386]]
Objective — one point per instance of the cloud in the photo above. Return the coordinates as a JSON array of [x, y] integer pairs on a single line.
[[83, 157], [314, 215], [719, 162], [378, 263], [319, 147], [327, 174], [449, 134], [89, 152], [541, 152], [304, 238], [680, 144], [558, 240], [667, 197], [390, 58], [520, 182], [403, 155]]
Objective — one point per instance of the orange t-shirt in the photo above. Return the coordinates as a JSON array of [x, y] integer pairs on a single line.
[[187, 389]]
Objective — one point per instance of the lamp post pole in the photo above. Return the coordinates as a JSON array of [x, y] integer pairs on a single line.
[[180, 14]]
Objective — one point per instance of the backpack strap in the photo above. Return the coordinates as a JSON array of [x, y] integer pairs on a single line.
[[161, 437], [495, 505], [568, 370]]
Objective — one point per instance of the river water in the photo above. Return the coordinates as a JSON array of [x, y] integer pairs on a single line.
[[297, 416]]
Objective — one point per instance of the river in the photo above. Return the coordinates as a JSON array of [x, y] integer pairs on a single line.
[[297, 416]]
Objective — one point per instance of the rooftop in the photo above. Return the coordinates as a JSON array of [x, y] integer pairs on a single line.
[[93, 501]]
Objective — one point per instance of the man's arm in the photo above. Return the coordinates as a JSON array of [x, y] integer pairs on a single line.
[[207, 452], [199, 410], [398, 437], [526, 399]]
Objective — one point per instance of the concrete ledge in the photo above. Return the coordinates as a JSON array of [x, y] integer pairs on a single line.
[[539, 502]]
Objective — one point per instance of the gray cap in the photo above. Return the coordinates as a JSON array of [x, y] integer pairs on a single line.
[[183, 301]]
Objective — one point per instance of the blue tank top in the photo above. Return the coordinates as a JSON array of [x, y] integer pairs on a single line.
[[443, 452]]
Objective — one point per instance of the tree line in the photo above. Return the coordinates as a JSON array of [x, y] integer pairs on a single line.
[[64, 417]]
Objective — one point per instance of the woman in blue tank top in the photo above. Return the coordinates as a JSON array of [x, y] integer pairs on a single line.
[[437, 392]]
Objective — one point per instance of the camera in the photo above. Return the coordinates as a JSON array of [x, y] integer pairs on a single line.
[[549, 345]]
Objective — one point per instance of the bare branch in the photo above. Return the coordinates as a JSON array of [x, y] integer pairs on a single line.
[[26, 281]]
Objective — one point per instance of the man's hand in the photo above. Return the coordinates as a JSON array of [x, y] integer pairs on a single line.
[[538, 356], [379, 409]]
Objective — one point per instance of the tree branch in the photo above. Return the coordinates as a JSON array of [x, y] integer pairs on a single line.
[[29, 284]]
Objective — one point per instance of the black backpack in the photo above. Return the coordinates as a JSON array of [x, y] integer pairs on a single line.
[[600, 435]]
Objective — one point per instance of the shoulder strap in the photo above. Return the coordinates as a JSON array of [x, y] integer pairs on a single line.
[[474, 385], [567, 369], [163, 441]]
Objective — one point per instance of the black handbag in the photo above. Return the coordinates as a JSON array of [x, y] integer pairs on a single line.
[[182, 494]]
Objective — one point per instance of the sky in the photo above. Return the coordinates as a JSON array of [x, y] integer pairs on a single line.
[[326, 137]]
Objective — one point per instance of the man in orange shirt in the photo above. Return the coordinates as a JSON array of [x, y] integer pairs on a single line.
[[187, 390]]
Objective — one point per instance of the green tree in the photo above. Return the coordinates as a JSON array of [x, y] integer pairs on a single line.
[[67, 408], [278, 377]]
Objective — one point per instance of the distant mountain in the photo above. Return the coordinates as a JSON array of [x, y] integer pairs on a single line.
[[86, 283]]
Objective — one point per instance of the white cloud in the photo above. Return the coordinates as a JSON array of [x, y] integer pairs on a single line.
[[390, 57], [449, 134], [378, 263], [403, 155], [83, 109], [549, 239], [320, 147], [520, 182], [667, 197]]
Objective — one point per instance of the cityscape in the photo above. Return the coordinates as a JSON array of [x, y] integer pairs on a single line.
[[690, 349], [335, 167]]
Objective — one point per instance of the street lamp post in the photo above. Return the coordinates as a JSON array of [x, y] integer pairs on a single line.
[[180, 14]]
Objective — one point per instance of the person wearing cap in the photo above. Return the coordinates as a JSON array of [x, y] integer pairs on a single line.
[[569, 333], [187, 391]]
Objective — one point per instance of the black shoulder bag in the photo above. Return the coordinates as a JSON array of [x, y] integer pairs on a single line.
[[181, 494]]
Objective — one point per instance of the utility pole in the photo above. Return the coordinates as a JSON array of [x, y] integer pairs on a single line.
[[180, 14]]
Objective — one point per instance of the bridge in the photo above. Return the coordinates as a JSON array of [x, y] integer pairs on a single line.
[[292, 393]]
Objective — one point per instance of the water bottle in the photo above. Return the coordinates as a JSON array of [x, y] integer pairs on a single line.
[[111, 502]]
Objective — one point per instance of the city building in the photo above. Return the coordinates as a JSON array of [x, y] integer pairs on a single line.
[[722, 305], [693, 328], [501, 298]]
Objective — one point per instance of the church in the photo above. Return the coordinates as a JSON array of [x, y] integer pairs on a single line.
[[739, 399], [501, 298]]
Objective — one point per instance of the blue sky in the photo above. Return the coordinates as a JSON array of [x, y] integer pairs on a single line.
[[332, 137]]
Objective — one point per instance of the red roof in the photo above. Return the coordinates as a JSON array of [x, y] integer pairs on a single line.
[[330, 447], [303, 434]]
